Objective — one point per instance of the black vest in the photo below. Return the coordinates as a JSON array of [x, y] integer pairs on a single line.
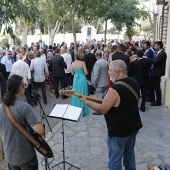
[[124, 120]]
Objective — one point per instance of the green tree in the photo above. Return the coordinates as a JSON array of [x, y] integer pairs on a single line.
[[52, 15], [128, 13], [12, 9]]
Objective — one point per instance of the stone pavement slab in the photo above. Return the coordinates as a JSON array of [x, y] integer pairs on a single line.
[[86, 145]]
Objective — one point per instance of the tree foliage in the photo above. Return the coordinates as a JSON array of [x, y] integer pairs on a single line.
[[12, 9]]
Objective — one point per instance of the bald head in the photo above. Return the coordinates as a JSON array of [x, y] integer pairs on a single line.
[[98, 54], [119, 65]]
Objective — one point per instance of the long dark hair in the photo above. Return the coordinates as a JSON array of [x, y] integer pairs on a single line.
[[13, 85]]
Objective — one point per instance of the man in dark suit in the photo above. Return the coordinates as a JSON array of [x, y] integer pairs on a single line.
[[121, 56], [57, 66], [157, 70], [28, 58], [141, 69], [148, 51], [2, 85], [89, 60], [3, 69]]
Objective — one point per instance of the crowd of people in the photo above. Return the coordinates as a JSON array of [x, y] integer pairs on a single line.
[[117, 74]]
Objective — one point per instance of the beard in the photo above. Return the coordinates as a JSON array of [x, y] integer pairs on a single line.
[[113, 79]]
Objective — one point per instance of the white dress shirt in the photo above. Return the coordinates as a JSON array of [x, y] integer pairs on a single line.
[[22, 69], [43, 57], [67, 59], [7, 62]]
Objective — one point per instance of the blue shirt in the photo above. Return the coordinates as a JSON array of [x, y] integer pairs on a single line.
[[39, 68], [7, 62]]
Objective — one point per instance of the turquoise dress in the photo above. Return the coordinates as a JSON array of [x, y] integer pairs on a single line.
[[80, 86]]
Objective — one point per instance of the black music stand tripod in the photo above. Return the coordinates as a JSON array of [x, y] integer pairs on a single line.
[[64, 160], [44, 117]]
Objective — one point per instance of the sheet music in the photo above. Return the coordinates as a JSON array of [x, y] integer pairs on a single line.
[[72, 113], [59, 110], [66, 111]]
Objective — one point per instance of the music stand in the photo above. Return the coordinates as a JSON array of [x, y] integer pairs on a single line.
[[44, 116], [65, 112]]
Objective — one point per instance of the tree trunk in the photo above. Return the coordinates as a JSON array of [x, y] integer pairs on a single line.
[[0, 28], [97, 25], [24, 33], [53, 31], [105, 32], [51, 39], [130, 39], [72, 11]]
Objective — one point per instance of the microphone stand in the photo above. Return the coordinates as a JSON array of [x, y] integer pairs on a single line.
[[44, 117]]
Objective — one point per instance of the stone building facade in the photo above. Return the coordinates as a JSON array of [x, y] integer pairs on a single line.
[[163, 33]]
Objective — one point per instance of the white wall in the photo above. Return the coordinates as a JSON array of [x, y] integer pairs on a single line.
[[68, 38]]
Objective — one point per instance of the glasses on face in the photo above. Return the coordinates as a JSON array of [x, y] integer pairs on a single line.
[[9, 54], [24, 85]]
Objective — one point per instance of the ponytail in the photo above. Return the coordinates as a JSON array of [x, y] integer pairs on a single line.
[[13, 85], [9, 99]]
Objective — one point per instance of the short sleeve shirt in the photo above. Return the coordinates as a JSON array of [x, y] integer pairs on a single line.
[[18, 150]]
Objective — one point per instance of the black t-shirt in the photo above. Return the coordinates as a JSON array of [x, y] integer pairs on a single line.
[[124, 120]]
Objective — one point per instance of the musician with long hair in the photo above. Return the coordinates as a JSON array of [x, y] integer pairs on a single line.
[[19, 152]]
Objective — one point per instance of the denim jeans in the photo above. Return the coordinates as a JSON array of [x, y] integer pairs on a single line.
[[122, 147], [31, 165]]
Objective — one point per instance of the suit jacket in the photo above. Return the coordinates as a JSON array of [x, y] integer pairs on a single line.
[[89, 60], [99, 76], [122, 56], [150, 54], [141, 69], [27, 61], [3, 70], [159, 63], [2, 85], [57, 65]]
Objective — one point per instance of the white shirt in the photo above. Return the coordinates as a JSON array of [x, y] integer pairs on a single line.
[[39, 68], [7, 62], [22, 69], [67, 59], [43, 57]]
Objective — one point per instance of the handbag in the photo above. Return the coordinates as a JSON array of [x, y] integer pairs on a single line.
[[36, 139]]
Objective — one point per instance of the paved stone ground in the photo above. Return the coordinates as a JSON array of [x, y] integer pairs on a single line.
[[86, 147], [85, 141]]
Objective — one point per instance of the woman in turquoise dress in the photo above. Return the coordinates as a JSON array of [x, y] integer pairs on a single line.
[[80, 86]]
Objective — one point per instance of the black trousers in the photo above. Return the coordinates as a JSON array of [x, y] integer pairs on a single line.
[[28, 96], [68, 80], [143, 93], [91, 89], [155, 89], [56, 84], [43, 90]]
